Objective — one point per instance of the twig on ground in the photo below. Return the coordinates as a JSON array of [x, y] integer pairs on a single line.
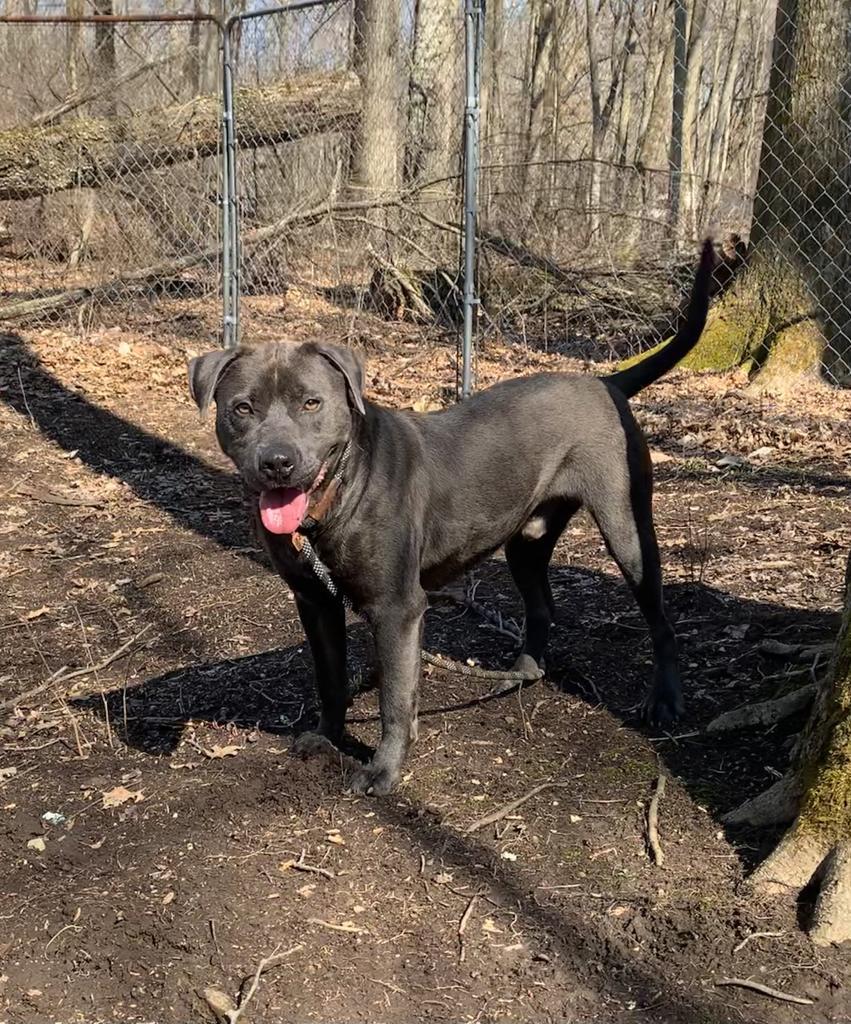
[[24, 397], [267, 963], [62, 676], [49, 497], [347, 926], [302, 865], [512, 805], [653, 823], [756, 935], [765, 990], [462, 926]]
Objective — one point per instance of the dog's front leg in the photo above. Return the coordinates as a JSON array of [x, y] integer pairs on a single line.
[[324, 621], [398, 631]]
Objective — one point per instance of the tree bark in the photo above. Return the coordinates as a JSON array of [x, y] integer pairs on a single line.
[[376, 153], [433, 84], [89, 151], [790, 312], [818, 844]]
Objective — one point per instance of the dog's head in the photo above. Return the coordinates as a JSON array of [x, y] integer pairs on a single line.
[[283, 415]]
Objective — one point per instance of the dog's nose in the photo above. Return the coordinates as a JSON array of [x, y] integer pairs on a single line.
[[276, 465]]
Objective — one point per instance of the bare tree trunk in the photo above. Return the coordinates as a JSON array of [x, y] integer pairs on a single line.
[[541, 90], [492, 107], [790, 312], [597, 126], [433, 84], [718, 150], [376, 151], [653, 138], [192, 64], [686, 227], [104, 57]]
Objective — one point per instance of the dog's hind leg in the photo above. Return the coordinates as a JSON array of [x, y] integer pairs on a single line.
[[620, 501], [528, 554]]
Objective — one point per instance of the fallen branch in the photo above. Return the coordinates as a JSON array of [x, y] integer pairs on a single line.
[[147, 275], [49, 497], [766, 712], [349, 927], [266, 964], [61, 676], [756, 935], [653, 823], [512, 805], [462, 926], [765, 990], [302, 865], [89, 152]]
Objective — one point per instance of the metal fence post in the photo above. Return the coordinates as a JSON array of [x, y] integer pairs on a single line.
[[230, 254], [473, 18]]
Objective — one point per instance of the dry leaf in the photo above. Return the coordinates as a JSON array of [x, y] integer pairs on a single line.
[[217, 751], [426, 404], [8, 773], [220, 1003], [169, 896], [37, 613], [489, 925], [444, 878], [36, 844], [336, 838], [120, 795]]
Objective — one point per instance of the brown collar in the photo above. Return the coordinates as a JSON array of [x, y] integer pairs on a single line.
[[318, 512]]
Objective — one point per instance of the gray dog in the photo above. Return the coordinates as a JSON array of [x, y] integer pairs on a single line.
[[381, 506]]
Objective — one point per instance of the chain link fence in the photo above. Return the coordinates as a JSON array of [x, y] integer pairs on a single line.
[[109, 168], [358, 200], [611, 138]]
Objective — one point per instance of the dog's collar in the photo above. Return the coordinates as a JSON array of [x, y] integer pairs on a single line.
[[320, 509]]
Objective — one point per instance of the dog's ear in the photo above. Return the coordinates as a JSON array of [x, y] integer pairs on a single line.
[[351, 367], [205, 373]]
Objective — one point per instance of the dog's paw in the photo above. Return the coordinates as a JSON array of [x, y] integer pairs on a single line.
[[662, 708], [372, 781], [311, 744]]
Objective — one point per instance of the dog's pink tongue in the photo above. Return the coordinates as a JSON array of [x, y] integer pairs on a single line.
[[282, 509]]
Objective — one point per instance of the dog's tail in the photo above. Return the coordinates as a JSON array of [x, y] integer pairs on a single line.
[[637, 377]]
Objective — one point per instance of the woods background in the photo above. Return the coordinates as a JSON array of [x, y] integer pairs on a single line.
[[614, 135]]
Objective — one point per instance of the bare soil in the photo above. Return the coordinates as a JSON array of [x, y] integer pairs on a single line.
[[156, 837]]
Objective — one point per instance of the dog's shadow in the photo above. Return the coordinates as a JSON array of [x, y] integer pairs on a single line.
[[598, 636]]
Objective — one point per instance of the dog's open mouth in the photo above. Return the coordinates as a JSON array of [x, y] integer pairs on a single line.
[[282, 509]]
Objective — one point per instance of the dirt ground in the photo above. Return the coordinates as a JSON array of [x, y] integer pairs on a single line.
[[158, 841]]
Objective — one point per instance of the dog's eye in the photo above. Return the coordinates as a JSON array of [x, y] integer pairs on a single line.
[[312, 404], [243, 409]]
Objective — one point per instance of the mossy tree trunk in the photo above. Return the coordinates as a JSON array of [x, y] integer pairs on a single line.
[[816, 795], [790, 311]]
